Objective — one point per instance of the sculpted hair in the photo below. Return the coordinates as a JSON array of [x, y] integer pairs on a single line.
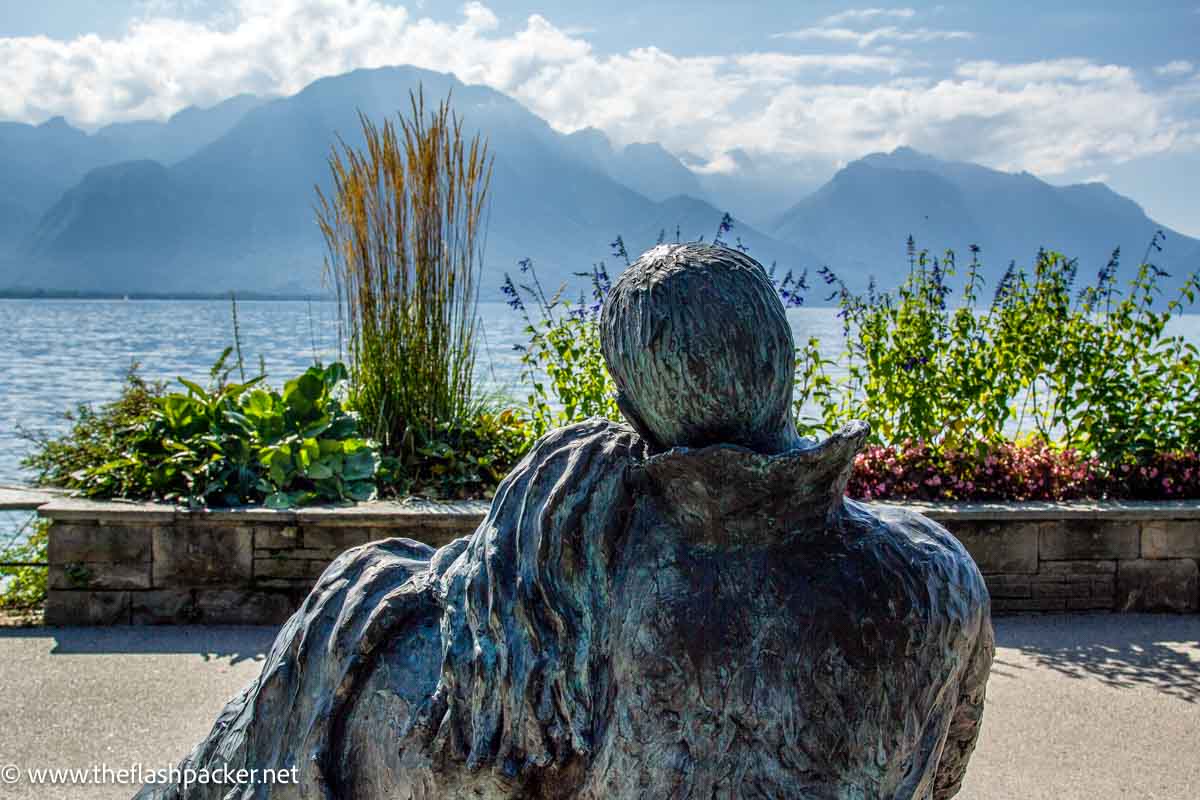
[[526, 605], [698, 343]]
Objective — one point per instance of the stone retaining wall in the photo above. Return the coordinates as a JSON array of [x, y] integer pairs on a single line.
[[116, 563]]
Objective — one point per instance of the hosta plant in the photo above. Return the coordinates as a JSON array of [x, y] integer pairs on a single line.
[[224, 444]]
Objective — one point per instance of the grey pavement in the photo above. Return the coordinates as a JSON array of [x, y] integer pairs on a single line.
[[1104, 706]]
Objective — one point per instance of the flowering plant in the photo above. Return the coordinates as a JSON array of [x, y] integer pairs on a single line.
[[1040, 393]]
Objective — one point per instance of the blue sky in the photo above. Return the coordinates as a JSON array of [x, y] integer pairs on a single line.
[[1077, 91]]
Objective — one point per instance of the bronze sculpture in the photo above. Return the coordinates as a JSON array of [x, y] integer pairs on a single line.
[[687, 606]]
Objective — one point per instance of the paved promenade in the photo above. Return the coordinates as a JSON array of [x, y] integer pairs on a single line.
[[1078, 706]]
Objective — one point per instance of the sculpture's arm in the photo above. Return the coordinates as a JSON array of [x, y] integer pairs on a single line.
[[968, 715], [281, 720]]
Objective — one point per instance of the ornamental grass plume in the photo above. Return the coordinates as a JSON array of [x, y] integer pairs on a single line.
[[404, 228]]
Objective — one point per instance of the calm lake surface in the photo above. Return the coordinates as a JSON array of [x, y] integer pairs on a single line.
[[56, 354]]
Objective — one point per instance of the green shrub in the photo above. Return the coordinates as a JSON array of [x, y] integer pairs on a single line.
[[1091, 372], [97, 436], [1041, 391], [457, 461], [24, 587], [562, 363], [226, 444]]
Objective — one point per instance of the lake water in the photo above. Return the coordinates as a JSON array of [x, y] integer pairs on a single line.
[[55, 354]]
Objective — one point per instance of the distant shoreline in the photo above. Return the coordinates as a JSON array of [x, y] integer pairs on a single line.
[[70, 294]]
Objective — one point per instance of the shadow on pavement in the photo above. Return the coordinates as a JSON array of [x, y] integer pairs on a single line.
[[1121, 650], [234, 643]]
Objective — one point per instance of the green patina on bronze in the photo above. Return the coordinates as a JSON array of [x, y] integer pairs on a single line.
[[700, 348], [688, 609]]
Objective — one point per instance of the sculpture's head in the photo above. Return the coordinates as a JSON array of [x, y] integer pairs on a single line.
[[697, 341]]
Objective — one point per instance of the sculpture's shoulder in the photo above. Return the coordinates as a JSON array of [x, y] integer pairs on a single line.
[[926, 554], [595, 435], [568, 464]]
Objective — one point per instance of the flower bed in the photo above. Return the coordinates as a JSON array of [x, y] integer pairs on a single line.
[[1011, 471]]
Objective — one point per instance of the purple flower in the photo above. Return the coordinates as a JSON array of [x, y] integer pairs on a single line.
[[510, 291]]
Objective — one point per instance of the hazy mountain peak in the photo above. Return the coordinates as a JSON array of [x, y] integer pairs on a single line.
[[592, 145], [56, 123], [903, 157], [239, 102], [861, 217]]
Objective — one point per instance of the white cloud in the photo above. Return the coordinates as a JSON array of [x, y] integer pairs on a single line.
[[1175, 68], [840, 28], [1066, 70], [790, 67], [868, 38], [860, 14], [1046, 116]]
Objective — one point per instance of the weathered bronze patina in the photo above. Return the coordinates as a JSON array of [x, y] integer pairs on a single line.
[[687, 607]]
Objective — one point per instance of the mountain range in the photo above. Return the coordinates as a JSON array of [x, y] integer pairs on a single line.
[[222, 198]]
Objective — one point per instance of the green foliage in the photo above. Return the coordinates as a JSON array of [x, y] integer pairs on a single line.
[[457, 461], [1094, 373], [562, 363], [225, 444], [24, 587], [97, 436]]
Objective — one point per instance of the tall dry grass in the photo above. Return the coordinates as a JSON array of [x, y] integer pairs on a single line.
[[404, 229]]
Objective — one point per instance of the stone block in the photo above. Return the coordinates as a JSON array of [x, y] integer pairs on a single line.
[[165, 607], [1018, 605], [99, 576], [334, 539], [296, 585], [1009, 586], [1081, 569], [1171, 539], [1061, 589], [288, 568], [1090, 603], [86, 608], [1158, 585], [203, 555], [313, 554], [276, 537], [243, 607], [1088, 539], [114, 544], [1007, 547]]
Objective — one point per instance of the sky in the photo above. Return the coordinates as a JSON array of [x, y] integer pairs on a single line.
[[1069, 91]]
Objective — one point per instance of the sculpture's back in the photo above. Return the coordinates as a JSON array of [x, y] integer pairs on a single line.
[[770, 638], [689, 607]]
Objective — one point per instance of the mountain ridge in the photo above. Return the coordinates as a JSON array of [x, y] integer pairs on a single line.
[[224, 195], [242, 205], [860, 219]]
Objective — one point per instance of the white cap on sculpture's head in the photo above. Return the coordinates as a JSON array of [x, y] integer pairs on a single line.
[[698, 343]]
